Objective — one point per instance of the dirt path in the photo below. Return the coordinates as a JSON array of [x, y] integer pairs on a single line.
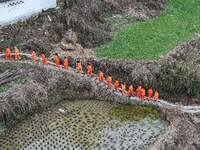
[[117, 96]]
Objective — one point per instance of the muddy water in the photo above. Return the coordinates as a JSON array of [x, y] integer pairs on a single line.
[[86, 125]]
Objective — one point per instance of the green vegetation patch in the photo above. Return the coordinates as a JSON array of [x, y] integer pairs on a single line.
[[133, 113], [153, 38]]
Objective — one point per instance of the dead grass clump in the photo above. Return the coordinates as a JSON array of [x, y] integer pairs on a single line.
[[22, 99], [180, 78]]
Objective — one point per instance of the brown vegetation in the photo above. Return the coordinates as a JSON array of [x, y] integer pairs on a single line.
[[86, 18]]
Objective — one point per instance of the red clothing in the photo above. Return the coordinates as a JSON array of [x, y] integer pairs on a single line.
[[116, 85], [150, 94], [130, 91], [89, 70], [143, 93], [34, 57], [57, 61], [44, 59], [156, 96], [123, 89], [100, 76], [139, 90], [109, 81], [66, 64], [17, 54], [79, 68], [8, 54]]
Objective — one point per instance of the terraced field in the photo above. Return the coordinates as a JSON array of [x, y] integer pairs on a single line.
[[86, 125]]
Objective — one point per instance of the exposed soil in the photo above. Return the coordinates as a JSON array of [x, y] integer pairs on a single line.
[[86, 18]]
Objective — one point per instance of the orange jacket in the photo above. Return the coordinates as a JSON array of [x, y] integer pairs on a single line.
[[17, 54], [116, 85], [123, 89], [34, 57], [143, 93], [100, 76], [57, 61], [109, 81], [89, 70], [8, 54], [139, 89], [150, 93], [130, 91], [44, 59], [79, 67], [66, 64], [156, 95]]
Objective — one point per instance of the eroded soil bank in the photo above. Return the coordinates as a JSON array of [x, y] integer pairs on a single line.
[[176, 75], [87, 124], [86, 18]]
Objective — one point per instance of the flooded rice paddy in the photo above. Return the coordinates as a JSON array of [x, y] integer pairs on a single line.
[[86, 125]]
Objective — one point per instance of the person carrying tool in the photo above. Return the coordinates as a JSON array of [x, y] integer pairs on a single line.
[[44, 59], [65, 63], [156, 96], [57, 60], [8, 54], [17, 54], [109, 81], [116, 86], [130, 91], [100, 76], [34, 57], [89, 70], [79, 67], [150, 94], [123, 89]]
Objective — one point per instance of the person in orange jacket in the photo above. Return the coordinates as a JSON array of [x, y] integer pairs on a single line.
[[79, 67], [44, 59], [57, 60], [116, 86], [17, 54], [89, 70], [143, 93], [130, 91], [34, 57], [100, 76], [139, 91], [156, 96], [150, 94], [123, 89], [8, 54], [65, 63], [109, 81]]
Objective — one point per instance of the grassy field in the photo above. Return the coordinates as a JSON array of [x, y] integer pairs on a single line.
[[153, 38]]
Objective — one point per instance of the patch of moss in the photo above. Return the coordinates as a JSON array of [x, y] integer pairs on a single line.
[[133, 113]]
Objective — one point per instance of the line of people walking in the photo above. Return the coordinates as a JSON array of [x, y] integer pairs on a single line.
[[140, 92]]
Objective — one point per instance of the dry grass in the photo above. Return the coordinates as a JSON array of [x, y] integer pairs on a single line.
[[22, 100]]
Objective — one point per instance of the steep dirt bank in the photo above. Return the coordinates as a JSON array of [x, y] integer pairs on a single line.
[[86, 18]]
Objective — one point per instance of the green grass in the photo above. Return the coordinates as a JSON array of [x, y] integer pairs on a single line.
[[148, 40]]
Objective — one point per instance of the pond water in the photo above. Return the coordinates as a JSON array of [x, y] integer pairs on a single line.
[[92, 125]]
